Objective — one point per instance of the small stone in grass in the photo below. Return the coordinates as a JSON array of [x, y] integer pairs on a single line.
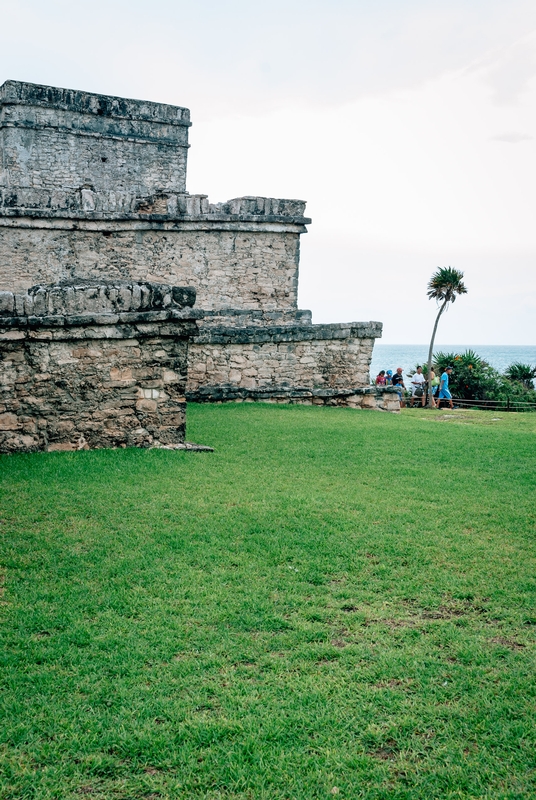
[[335, 790]]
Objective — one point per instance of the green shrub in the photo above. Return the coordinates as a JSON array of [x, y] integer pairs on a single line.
[[521, 373], [473, 378]]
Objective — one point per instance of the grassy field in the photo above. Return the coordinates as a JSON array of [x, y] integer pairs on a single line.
[[333, 603]]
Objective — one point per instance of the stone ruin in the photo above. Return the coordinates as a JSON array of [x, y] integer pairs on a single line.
[[100, 345], [87, 366]]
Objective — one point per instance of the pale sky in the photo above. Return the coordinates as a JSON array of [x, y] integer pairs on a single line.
[[408, 126]]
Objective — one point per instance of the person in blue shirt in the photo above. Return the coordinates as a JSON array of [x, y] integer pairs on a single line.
[[444, 393]]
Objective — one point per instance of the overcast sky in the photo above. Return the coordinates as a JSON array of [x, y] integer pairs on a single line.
[[409, 126]]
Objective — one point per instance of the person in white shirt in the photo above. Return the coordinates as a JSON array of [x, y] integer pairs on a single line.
[[418, 386]]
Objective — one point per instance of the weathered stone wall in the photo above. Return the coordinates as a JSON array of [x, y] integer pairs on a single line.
[[93, 188], [228, 268], [77, 371], [63, 139], [299, 356], [160, 206]]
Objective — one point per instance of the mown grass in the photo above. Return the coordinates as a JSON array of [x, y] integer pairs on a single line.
[[334, 602]]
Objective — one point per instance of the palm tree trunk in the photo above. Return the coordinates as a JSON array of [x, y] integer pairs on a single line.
[[430, 352]]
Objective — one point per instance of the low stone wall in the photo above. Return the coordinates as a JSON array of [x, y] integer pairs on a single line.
[[369, 398], [229, 362], [96, 378], [86, 299]]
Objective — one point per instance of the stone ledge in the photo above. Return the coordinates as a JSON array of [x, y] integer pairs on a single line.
[[219, 334], [99, 105], [115, 223], [241, 318], [368, 397], [81, 301], [104, 327], [85, 203]]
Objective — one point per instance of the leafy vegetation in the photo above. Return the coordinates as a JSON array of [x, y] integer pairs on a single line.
[[521, 373], [334, 602], [474, 379]]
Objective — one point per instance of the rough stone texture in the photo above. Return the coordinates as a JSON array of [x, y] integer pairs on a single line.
[[81, 301], [370, 397], [61, 139], [161, 205], [228, 268], [94, 188], [83, 373], [300, 357]]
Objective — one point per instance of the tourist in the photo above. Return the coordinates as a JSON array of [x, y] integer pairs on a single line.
[[380, 378], [398, 383], [433, 384], [444, 393], [389, 377], [417, 382]]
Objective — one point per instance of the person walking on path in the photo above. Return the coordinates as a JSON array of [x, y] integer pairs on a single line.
[[417, 382], [444, 393], [398, 383]]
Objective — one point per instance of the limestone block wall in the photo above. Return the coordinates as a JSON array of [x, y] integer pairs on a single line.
[[98, 377], [299, 356], [94, 186], [254, 268], [65, 139]]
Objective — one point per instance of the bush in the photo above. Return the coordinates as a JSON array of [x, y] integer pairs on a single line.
[[521, 373], [473, 378]]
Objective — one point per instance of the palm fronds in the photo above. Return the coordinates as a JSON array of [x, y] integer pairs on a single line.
[[521, 373], [445, 284]]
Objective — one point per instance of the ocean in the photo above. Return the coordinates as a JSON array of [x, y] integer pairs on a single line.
[[407, 356]]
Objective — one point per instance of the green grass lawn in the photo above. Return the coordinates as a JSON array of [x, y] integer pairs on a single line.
[[334, 602]]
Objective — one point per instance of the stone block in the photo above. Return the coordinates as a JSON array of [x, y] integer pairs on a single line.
[[146, 405], [7, 303], [9, 422], [170, 376], [121, 374], [124, 299]]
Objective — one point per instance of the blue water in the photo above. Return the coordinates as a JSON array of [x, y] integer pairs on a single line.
[[407, 356]]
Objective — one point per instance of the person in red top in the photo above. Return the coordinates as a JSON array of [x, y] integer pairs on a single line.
[[380, 378]]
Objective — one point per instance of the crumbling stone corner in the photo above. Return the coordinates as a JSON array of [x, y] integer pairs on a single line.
[[94, 365]]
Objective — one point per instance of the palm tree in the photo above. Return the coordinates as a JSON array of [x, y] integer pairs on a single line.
[[521, 373], [443, 287]]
